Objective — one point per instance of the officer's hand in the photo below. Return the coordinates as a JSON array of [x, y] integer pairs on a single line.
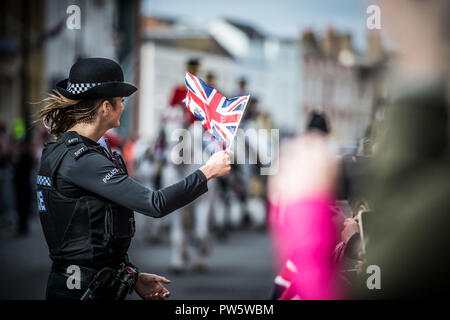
[[149, 287], [218, 164]]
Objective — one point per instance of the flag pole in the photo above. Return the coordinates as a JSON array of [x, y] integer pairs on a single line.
[[234, 134]]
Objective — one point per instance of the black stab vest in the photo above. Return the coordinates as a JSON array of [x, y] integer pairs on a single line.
[[89, 230]]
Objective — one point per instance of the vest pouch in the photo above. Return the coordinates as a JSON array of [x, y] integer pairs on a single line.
[[119, 227], [109, 222]]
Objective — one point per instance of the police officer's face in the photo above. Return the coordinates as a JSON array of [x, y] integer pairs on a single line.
[[115, 112]]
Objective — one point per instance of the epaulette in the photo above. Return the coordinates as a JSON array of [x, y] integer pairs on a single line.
[[78, 152], [73, 141]]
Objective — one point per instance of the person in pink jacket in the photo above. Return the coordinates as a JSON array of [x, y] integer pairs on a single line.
[[300, 198]]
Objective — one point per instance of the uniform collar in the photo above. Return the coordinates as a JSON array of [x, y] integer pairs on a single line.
[[73, 135]]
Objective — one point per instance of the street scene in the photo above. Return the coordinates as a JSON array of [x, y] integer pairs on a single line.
[[224, 150], [240, 267]]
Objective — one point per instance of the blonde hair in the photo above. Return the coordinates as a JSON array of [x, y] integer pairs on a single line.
[[59, 113]]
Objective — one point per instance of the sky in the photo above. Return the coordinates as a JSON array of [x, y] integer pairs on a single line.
[[283, 18]]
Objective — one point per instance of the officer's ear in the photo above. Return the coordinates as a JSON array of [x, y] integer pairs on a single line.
[[107, 106]]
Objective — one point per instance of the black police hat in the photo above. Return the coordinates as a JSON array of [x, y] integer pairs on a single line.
[[193, 62], [318, 120], [95, 78]]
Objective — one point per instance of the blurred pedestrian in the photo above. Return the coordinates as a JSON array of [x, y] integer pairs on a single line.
[[129, 154], [242, 87], [300, 197], [6, 178], [179, 92], [210, 79], [22, 185], [146, 171]]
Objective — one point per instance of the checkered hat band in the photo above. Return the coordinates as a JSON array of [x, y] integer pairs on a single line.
[[44, 181], [76, 88]]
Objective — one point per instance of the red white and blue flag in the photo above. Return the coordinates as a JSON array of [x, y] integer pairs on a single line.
[[219, 115]]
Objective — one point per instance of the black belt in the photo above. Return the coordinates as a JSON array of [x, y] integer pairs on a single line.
[[88, 271]]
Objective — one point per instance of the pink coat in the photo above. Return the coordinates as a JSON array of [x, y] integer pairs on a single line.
[[304, 232]]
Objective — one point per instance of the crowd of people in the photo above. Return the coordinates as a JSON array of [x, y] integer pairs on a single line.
[[19, 156]]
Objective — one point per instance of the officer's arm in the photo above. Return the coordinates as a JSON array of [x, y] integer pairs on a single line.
[[99, 175]]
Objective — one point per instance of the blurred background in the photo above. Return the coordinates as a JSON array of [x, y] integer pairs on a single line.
[[293, 57]]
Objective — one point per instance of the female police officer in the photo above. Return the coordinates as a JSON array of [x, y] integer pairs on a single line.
[[85, 197]]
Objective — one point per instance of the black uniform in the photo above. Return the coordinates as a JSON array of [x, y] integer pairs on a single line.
[[86, 202]]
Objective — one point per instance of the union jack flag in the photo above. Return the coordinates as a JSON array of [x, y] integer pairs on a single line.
[[219, 115]]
